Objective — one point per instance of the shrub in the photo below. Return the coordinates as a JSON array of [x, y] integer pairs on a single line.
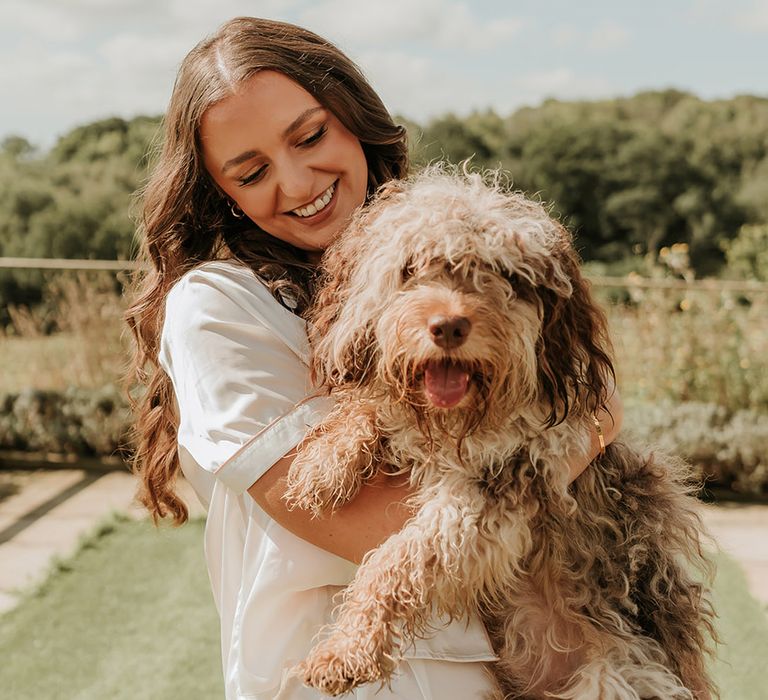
[[747, 254], [73, 338], [75, 421], [726, 449], [690, 345]]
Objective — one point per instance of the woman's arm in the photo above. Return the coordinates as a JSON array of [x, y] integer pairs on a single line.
[[378, 510], [610, 422], [362, 524]]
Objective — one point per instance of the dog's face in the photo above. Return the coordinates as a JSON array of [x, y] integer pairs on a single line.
[[454, 297], [457, 337]]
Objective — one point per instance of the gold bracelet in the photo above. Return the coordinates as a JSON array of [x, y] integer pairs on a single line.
[[600, 436]]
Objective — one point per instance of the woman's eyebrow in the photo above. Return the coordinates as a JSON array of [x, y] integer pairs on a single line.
[[237, 160], [293, 126], [296, 123]]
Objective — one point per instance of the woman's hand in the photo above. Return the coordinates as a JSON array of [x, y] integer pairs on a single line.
[[360, 525], [610, 422]]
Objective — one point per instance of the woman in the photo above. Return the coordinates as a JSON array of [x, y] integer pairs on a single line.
[[272, 139]]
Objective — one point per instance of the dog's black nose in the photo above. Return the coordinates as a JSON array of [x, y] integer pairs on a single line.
[[449, 331]]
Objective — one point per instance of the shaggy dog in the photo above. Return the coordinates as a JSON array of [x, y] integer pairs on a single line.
[[463, 348]]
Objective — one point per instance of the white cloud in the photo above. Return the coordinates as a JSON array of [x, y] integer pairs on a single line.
[[418, 88], [435, 22], [561, 83], [27, 19], [608, 35], [404, 82], [754, 20], [75, 20], [204, 16], [565, 36], [70, 61], [749, 16]]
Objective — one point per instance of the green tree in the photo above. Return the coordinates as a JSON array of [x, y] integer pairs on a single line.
[[563, 161], [16, 147], [479, 137]]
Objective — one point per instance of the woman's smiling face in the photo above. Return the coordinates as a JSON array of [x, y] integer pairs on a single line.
[[288, 162]]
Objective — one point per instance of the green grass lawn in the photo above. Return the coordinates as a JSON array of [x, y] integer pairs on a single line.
[[131, 616], [742, 658], [35, 362]]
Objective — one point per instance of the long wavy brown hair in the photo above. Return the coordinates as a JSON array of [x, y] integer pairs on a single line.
[[186, 220]]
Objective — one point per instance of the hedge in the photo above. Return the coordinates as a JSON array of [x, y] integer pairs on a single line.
[[76, 421], [728, 449]]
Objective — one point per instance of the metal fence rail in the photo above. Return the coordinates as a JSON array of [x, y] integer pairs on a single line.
[[632, 280], [712, 285], [68, 264]]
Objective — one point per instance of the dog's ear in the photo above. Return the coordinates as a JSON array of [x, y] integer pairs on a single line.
[[342, 339], [574, 349], [386, 191], [343, 351]]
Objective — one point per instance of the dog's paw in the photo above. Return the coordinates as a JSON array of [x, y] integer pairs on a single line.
[[313, 496], [319, 490], [297, 496], [336, 668]]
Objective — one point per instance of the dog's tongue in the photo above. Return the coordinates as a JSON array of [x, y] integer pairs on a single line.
[[445, 383]]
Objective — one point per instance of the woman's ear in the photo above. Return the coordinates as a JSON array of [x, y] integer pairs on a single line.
[[574, 349]]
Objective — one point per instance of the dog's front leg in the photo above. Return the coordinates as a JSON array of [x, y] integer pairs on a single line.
[[387, 600], [435, 563], [335, 458]]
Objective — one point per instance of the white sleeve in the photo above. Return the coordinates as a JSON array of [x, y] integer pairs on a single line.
[[243, 394]]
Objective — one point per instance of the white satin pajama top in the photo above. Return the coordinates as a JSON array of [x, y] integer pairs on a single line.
[[238, 363]]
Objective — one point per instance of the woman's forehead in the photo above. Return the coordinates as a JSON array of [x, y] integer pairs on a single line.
[[266, 95], [258, 115]]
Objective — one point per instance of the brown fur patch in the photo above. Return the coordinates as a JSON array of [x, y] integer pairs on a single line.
[[586, 592]]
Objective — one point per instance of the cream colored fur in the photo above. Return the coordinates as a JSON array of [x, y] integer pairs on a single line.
[[587, 592]]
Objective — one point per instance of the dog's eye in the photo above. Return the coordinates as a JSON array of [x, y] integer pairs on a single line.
[[521, 288], [461, 270], [511, 277], [408, 271]]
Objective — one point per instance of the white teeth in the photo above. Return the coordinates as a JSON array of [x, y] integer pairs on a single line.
[[317, 205]]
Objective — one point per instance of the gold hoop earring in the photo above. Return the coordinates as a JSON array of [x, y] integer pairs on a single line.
[[237, 212]]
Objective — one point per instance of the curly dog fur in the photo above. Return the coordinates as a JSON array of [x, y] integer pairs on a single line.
[[463, 348]]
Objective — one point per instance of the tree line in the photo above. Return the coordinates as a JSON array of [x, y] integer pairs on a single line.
[[629, 176]]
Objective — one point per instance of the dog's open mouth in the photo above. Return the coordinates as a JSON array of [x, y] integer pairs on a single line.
[[445, 383]]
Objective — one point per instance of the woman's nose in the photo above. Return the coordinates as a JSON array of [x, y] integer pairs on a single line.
[[296, 182]]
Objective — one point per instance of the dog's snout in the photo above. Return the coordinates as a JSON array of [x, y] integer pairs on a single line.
[[449, 331]]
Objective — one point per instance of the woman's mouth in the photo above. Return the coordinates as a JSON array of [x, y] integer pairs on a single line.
[[320, 208]]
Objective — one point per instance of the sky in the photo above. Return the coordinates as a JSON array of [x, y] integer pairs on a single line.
[[67, 62]]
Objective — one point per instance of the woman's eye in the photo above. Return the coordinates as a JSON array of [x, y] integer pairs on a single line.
[[249, 179], [315, 136]]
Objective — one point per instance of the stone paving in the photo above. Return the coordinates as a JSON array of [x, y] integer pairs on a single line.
[[47, 512], [741, 531], [50, 512]]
